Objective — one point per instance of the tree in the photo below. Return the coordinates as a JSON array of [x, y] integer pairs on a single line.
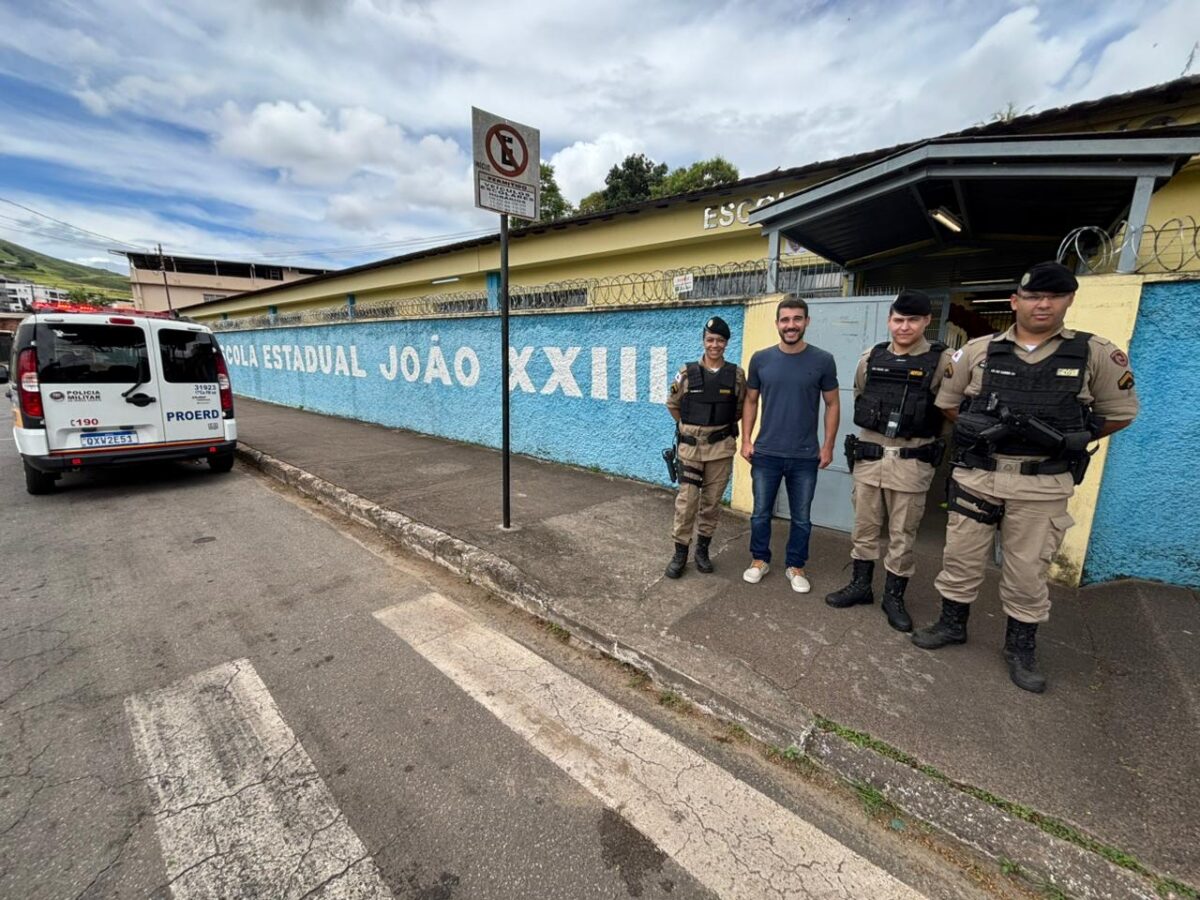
[[593, 202], [554, 204], [633, 181], [707, 173]]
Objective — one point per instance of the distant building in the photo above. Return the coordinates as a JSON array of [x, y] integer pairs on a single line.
[[193, 281], [20, 295]]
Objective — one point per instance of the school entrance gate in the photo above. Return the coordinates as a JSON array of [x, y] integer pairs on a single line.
[[846, 326]]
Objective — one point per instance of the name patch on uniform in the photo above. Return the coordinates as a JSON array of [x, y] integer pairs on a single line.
[[1067, 373], [949, 373], [1125, 382]]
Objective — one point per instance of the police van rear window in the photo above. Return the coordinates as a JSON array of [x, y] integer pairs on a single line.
[[187, 356], [71, 353]]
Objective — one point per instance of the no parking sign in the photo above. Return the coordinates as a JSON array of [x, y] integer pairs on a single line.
[[507, 165]]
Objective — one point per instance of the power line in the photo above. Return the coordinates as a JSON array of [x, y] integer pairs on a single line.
[[74, 242], [106, 237]]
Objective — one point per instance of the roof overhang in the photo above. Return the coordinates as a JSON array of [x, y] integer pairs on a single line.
[[1002, 192]]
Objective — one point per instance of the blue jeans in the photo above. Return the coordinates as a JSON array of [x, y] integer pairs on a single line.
[[766, 472]]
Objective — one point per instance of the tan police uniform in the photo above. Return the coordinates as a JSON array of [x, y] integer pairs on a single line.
[[890, 488], [698, 506], [1035, 506]]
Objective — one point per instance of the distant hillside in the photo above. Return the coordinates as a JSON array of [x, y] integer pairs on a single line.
[[18, 262]]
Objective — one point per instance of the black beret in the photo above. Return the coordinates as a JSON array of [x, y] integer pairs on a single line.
[[717, 325], [1051, 278], [912, 303]]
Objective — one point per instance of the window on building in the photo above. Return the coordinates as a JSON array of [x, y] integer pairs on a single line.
[[211, 298]]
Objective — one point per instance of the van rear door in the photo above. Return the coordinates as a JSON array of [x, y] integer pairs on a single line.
[[191, 397], [96, 384]]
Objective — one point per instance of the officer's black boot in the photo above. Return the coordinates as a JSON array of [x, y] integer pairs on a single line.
[[893, 602], [859, 588], [678, 561], [703, 563], [950, 628], [1020, 641]]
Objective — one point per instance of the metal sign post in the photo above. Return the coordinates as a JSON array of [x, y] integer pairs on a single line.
[[507, 181]]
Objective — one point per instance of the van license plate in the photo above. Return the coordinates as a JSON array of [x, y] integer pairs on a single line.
[[108, 438]]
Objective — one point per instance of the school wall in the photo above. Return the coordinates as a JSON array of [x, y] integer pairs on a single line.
[[1106, 305], [1146, 524], [588, 388]]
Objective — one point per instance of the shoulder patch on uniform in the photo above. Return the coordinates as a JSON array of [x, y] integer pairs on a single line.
[[1125, 382], [957, 355], [679, 375], [949, 373], [1119, 357]]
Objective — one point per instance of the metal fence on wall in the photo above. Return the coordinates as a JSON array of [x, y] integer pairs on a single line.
[[1173, 246], [731, 281]]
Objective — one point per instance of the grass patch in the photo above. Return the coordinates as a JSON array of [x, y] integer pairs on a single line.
[[556, 631], [672, 700], [639, 681], [1050, 825]]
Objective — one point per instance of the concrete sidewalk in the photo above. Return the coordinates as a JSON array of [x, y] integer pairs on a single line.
[[1109, 750]]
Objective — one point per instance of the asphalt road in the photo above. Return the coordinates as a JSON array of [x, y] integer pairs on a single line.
[[209, 689]]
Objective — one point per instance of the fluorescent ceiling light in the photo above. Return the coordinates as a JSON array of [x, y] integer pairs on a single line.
[[449, 280], [997, 300], [944, 217], [1002, 281]]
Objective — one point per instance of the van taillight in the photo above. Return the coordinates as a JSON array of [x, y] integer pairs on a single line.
[[27, 384], [224, 386]]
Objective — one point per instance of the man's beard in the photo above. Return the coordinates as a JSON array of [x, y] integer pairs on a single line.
[[795, 340]]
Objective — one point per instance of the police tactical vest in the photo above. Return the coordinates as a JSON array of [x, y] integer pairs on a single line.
[[1048, 390], [710, 398], [900, 386]]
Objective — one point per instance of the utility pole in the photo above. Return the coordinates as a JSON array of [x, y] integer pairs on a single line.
[[166, 287]]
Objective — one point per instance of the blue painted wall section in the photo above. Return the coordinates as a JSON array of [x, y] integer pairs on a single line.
[[587, 388], [1147, 525]]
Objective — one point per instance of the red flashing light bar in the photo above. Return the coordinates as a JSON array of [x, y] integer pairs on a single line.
[[60, 307]]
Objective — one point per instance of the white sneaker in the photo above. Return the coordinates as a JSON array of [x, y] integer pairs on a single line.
[[755, 573], [799, 582]]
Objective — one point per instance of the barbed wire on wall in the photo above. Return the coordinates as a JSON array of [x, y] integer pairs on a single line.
[[729, 281], [1173, 246]]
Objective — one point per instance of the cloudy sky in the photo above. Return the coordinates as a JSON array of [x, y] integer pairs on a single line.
[[330, 132]]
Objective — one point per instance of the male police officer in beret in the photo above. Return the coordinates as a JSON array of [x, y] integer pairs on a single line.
[[1025, 404], [705, 401], [894, 456]]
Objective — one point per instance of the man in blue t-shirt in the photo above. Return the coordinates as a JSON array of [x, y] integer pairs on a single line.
[[791, 378]]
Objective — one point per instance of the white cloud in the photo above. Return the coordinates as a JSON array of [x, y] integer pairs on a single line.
[[336, 122], [580, 168]]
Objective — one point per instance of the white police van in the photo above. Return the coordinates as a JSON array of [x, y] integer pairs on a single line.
[[98, 387]]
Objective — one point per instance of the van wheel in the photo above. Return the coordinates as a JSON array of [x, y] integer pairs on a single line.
[[222, 463], [37, 482]]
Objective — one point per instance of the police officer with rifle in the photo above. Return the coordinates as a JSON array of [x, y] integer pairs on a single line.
[[894, 456], [1026, 405], [706, 401]]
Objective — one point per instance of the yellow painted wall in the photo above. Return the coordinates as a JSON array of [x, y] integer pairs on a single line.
[[758, 332], [1106, 305], [668, 237]]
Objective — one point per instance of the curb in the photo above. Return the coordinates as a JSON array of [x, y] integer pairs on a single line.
[[997, 835]]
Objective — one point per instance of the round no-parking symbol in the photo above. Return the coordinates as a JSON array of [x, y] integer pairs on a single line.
[[506, 150]]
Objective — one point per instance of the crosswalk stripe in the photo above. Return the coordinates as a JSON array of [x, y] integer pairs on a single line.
[[239, 808], [729, 836]]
